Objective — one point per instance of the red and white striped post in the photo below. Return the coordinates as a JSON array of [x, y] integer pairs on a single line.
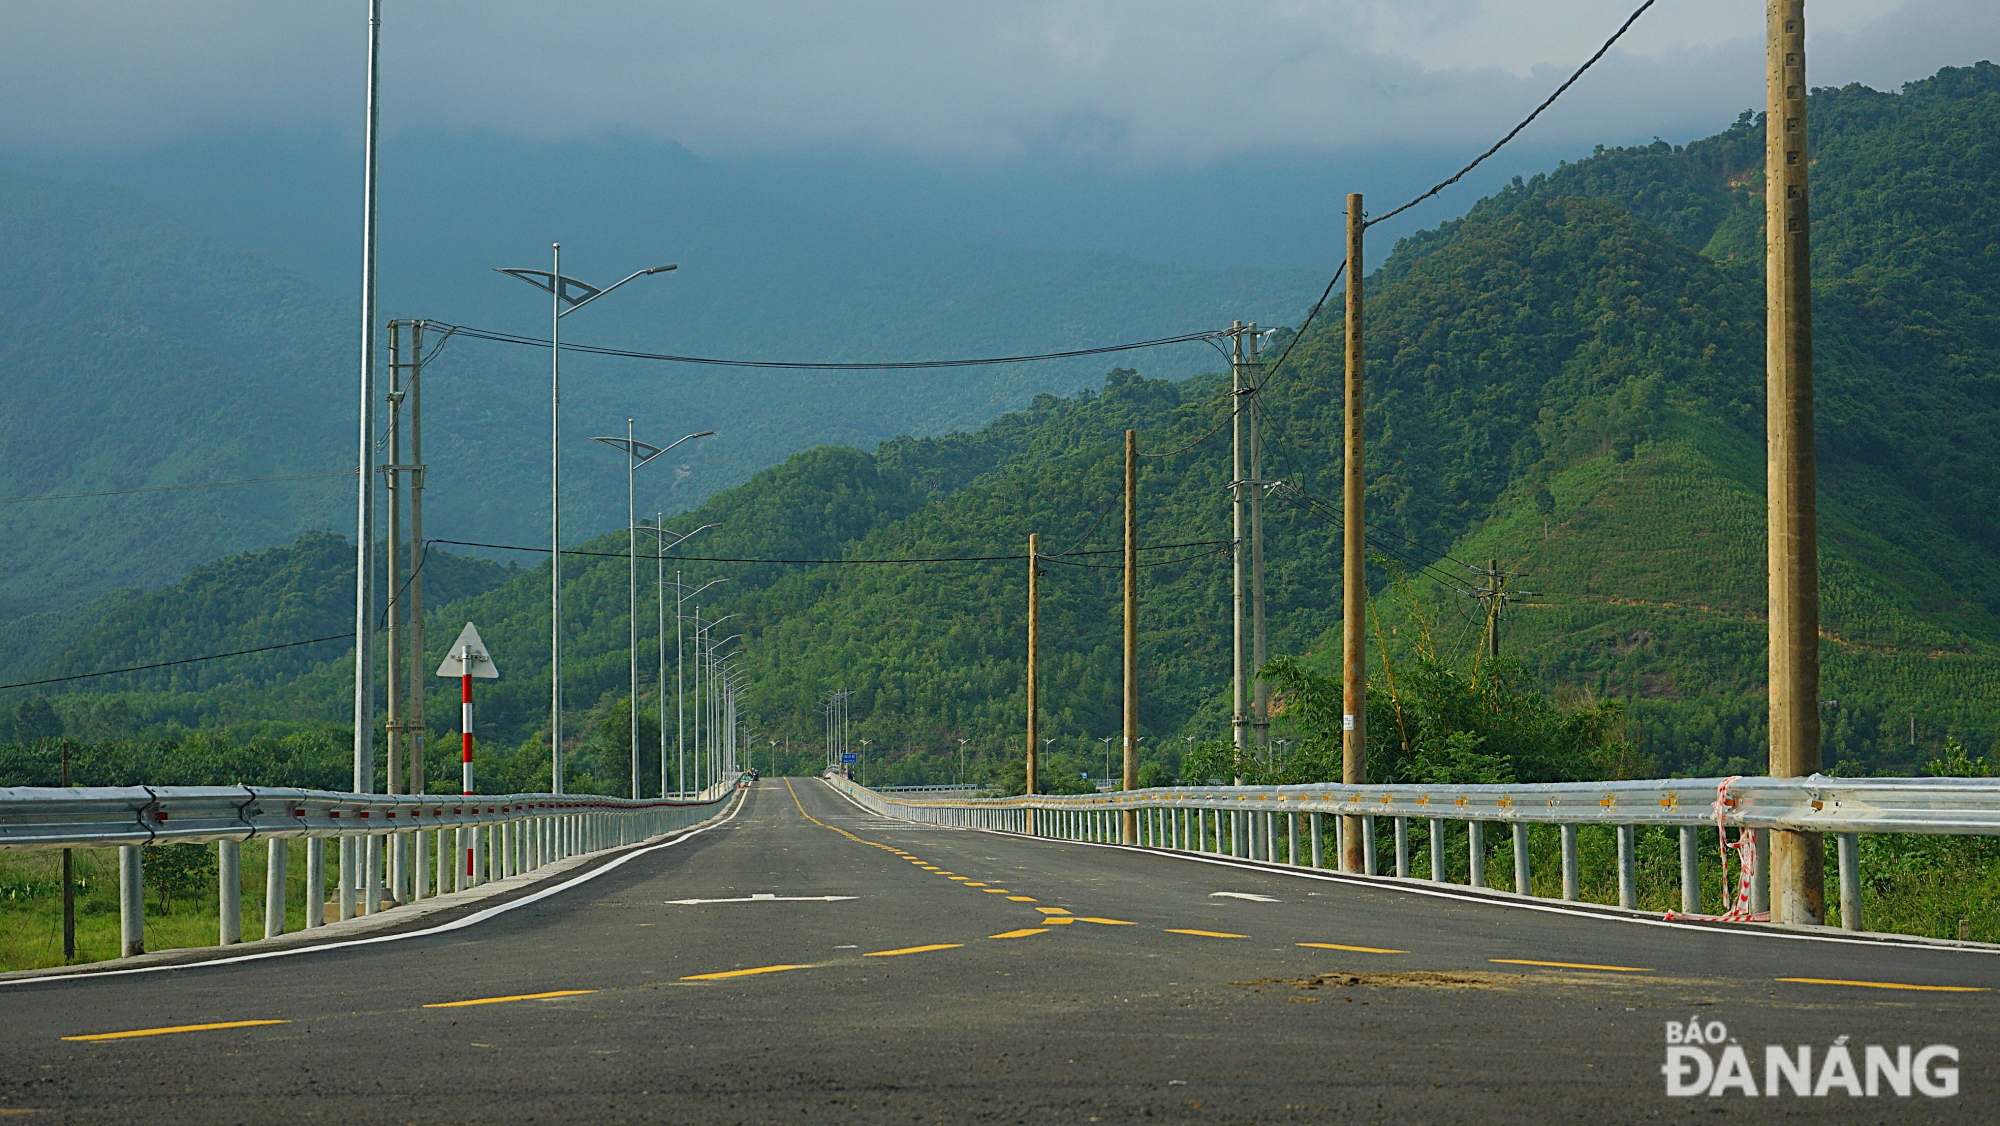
[[467, 658], [465, 720]]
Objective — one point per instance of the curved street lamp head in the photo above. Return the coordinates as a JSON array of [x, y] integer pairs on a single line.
[[571, 293]]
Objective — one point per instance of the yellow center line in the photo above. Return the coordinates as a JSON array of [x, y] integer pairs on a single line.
[[1356, 949], [1053, 910], [974, 884], [1205, 934], [515, 997], [741, 973], [1889, 985], [1570, 965], [913, 950], [994, 891], [962, 879], [1058, 920], [1019, 933], [1015, 898], [175, 1028], [1106, 922]]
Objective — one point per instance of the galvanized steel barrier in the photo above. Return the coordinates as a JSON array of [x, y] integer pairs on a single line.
[[1225, 820], [389, 843]]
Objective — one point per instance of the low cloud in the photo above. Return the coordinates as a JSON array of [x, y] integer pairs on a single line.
[[1152, 81]]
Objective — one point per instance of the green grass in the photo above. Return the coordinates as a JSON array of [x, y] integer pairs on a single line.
[[31, 906]]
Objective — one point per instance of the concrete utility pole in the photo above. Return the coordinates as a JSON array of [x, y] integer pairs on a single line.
[[1034, 642], [1354, 560], [1129, 819], [1798, 893], [392, 582], [413, 719], [1260, 693], [1238, 717]]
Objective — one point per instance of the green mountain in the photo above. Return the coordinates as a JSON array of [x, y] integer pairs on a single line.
[[1567, 380], [142, 353]]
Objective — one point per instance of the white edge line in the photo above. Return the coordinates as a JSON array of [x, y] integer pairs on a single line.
[[1390, 883], [442, 928]]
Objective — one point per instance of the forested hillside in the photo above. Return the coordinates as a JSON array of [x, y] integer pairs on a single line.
[[1568, 380]]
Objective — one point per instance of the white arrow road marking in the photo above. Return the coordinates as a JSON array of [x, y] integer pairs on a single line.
[[766, 898], [1244, 895]]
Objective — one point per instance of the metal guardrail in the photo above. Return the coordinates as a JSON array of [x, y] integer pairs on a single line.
[[1225, 820], [966, 789], [388, 843]]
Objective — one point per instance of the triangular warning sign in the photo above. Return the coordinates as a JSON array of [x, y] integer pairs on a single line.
[[468, 654]]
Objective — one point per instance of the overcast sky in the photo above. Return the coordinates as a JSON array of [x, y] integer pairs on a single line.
[[1150, 81]]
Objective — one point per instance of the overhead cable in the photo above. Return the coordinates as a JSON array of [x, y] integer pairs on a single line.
[[815, 562], [1511, 133], [904, 365]]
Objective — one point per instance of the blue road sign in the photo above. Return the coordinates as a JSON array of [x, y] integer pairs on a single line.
[[850, 756]]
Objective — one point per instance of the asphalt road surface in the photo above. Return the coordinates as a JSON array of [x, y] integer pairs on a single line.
[[839, 967]]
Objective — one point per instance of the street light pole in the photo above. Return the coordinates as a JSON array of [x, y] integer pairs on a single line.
[[660, 578], [637, 454], [566, 296]]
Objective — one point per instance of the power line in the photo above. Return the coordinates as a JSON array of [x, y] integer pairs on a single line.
[[1511, 133], [813, 562], [348, 636], [172, 488], [906, 365]]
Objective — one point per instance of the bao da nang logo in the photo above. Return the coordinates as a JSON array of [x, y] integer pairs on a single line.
[[1703, 1059]]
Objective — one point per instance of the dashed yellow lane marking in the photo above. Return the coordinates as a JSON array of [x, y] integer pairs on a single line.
[[1205, 934], [175, 1028], [913, 950], [994, 891], [1356, 949], [963, 879], [974, 884], [740, 973], [1019, 933], [1106, 922], [1570, 965], [515, 997], [1058, 920], [1888, 985], [1053, 910], [1015, 898]]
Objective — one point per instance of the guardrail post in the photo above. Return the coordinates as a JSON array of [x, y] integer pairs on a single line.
[[1522, 884], [348, 875], [1368, 864], [1628, 866], [1438, 867], [1760, 883], [278, 852], [1340, 823], [229, 889], [373, 851], [131, 902], [1403, 847], [1291, 838], [1571, 892], [1848, 845], [1690, 870], [315, 882], [1475, 847], [420, 866], [1316, 823]]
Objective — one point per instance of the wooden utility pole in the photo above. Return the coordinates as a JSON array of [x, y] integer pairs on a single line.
[[1495, 583], [1034, 641], [1354, 561], [1129, 819], [1797, 869]]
